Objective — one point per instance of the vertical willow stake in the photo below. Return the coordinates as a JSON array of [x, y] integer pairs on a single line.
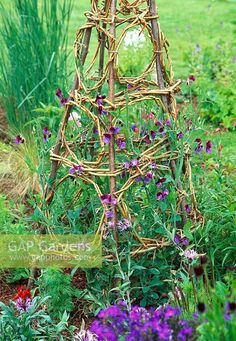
[[160, 80], [111, 97]]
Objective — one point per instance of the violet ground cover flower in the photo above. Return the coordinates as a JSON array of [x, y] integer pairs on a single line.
[[209, 147], [114, 130], [190, 254], [141, 324], [76, 170], [160, 182], [106, 138], [46, 134], [121, 143]]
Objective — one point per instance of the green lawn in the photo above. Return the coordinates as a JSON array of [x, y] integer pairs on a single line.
[[185, 24]]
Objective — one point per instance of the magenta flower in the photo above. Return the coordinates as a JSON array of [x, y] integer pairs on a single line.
[[76, 170], [168, 122], [121, 143], [178, 240], [63, 100], [108, 199], [180, 135], [153, 165], [114, 130], [134, 163], [209, 147], [129, 86], [19, 139], [159, 183], [106, 138], [46, 134], [162, 195], [192, 78], [59, 93]]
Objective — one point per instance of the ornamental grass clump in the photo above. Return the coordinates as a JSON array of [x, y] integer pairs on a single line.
[[139, 324]]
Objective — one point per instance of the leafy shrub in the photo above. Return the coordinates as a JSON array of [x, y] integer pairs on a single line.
[[214, 68], [56, 285]]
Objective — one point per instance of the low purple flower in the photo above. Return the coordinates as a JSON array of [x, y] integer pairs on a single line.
[[187, 208], [76, 170], [147, 139], [108, 199], [63, 101], [168, 122], [180, 135], [199, 147], [129, 86], [153, 165], [123, 224], [160, 182], [162, 195], [121, 143], [159, 123], [115, 130], [135, 129], [46, 134], [106, 138], [153, 134], [59, 93], [148, 177], [209, 147], [95, 131], [190, 254], [183, 334], [138, 179], [162, 131], [109, 214], [99, 99], [19, 139]]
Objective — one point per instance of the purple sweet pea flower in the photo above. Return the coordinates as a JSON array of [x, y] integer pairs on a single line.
[[121, 143], [153, 165], [59, 93], [106, 138], [160, 182], [108, 199], [187, 208], [209, 147], [138, 179], [109, 214], [134, 163], [180, 135], [199, 147], [162, 195], [95, 131], [147, 139], [148, 177], [19, 139], [135, 128], [63, 101], [168, 122], [114, 130], [159, 123], [129, 86], [123, 224], [153, 134], [46, 134], [76, 170], [99, 100], [162, 131]]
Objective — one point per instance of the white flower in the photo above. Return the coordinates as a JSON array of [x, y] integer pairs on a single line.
[[190, 254], [134, 38], [74, 116], [85, 335]]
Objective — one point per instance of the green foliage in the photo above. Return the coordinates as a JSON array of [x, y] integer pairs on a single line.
[[33, 55], [214, 68], [30, 325], [58, 286]]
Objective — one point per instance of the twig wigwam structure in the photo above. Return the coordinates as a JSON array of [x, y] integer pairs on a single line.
[[102, 96]]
